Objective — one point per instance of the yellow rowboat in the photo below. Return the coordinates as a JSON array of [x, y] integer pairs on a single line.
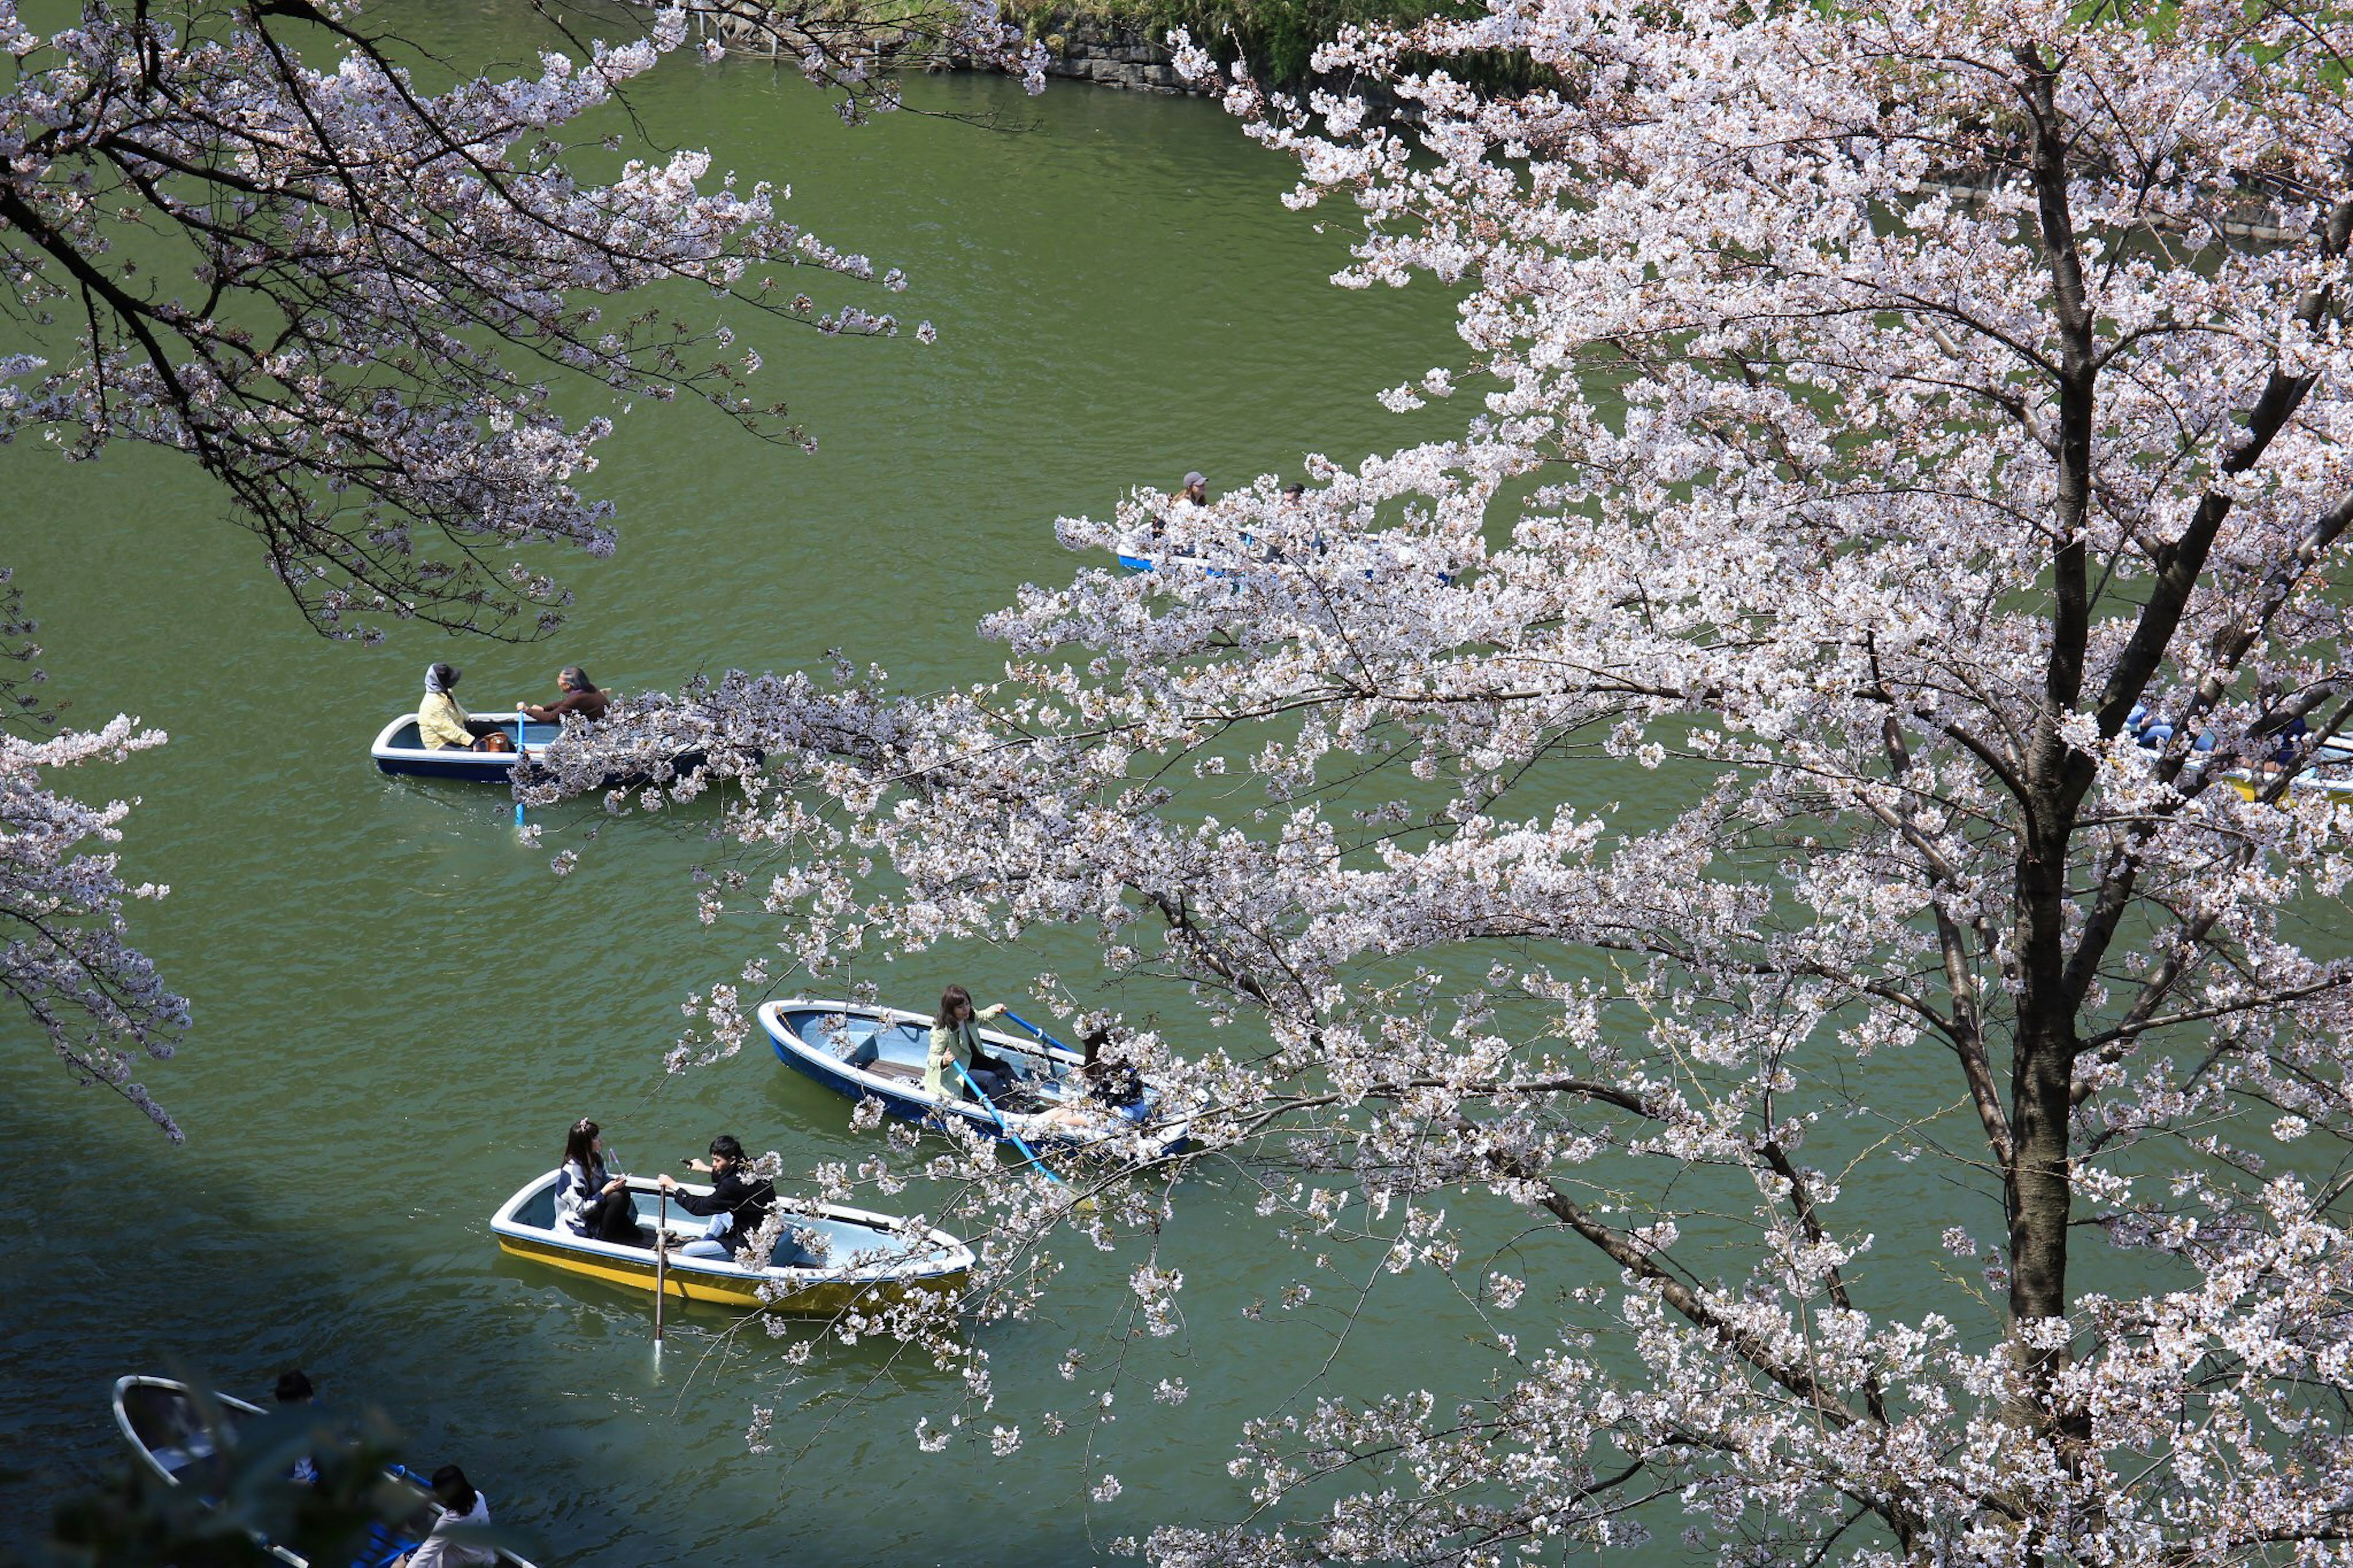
[[865, 1259], [2337, 792], [2328, 775]]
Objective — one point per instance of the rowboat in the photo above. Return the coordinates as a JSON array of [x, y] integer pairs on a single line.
[[398, 750], [878, 1053], [1138, 553], [869, 1258], [166, 1427], [2327, 777]]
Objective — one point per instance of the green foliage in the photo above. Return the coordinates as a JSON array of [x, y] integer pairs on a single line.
[[229, 1505]]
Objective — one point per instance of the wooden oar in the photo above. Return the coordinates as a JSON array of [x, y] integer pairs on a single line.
[[661, 1256]]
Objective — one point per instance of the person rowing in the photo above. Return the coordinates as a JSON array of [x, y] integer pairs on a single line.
[[579, 695], [463, 1510], [738, 1206], [955, 1041]]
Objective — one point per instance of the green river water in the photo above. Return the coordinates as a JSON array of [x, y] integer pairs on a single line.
[[398, 1009]]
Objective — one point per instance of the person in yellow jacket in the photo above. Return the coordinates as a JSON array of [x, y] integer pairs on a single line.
[[445, 726], [955, 1037]]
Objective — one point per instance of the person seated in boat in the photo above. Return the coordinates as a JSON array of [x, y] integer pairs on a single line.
[[2289, 743], [579, 696], [444, 726], [955, 1041], [462, 1507], [591, 1201], [293, 1392], [739, 1196], [1107, 1087], [793, 1247], [1293, 496], [2153, 731], [1191, 496], [1188, 501]]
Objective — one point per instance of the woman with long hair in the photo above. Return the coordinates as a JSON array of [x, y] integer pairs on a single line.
[[591, 1201], [956, 1039], [462, 1509]]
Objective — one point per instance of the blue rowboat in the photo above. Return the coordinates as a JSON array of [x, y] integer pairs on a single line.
[[1133, 558], [864, 1259], [163, 1422], [398, 750], [878, 1053]]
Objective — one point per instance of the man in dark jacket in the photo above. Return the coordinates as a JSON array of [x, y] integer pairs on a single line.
[[737, 1191], [580, 696]]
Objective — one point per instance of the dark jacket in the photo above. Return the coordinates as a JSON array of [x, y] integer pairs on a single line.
[[590, 705], [1114, 1085], [748, 1198]]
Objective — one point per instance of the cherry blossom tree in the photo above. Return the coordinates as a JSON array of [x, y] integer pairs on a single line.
[[64, 956], [1916, 434], [263, 242]]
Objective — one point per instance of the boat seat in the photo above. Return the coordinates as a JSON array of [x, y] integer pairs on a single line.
[[900, 1043], [905, 1071], [178, 1457]]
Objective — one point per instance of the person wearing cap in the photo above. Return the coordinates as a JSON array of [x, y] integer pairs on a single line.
[[580, 696], [441, 723], [1195, 491]]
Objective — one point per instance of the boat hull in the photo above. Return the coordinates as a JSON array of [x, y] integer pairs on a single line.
[[397, 751], [907, 1105], [2337, 791], [681, 1284], [900, 1266], [897, 1084], [158, 1416]]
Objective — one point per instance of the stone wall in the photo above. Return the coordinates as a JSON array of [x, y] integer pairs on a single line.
[[1109, 53], [1080, 47]]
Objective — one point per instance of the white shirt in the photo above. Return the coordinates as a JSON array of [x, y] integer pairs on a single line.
[[439, 1552], [572, 1197]]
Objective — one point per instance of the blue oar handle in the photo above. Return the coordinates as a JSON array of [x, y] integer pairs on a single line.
[[995, 1115], [520, 755], [1036, 1032]]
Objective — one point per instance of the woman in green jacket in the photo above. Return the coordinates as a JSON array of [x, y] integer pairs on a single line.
[[955, 1037]]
